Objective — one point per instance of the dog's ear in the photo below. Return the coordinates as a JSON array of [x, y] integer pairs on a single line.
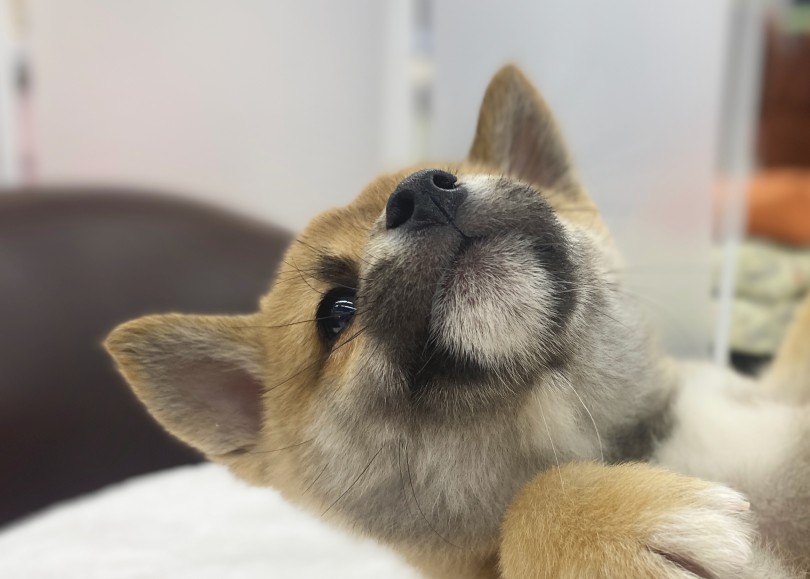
[[200, 376], [517, 133]]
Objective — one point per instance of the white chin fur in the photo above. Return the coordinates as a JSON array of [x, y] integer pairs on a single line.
[[496, 304]]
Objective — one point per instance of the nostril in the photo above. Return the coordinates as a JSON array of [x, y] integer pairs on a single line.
[[444, 181], [422, 199], [399, 209]]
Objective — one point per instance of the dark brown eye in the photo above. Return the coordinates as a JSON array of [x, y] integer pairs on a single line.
[[335, 313]]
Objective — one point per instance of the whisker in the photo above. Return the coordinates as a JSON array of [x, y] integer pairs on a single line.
[[429, 358], [320, 252], [293, 276], [303, 278], [402, 476], [553, 447], [595, 428], [288, 324], [297, 444], [312, 484], [320, 360], [416, 500], [351, 486]]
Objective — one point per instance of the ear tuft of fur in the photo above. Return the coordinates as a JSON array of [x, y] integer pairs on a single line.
[[199, 376], [518, 135]]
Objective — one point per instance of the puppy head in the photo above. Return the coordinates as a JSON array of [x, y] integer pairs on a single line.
[[424, 350]]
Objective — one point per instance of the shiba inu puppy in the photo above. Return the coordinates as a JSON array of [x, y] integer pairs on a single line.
[[449, 364]]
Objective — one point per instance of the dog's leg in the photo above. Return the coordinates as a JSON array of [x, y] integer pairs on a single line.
[[788, 378], [589, 520]]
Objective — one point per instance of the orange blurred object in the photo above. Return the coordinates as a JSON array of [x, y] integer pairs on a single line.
[[779, 206]]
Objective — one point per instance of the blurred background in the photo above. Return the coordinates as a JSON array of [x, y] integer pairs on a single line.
[[156, 154]]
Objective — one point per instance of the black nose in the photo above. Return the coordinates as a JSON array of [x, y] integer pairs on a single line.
[[429, 197]]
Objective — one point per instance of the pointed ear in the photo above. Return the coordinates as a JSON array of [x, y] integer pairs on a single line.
[[517, 133], [200, 376]]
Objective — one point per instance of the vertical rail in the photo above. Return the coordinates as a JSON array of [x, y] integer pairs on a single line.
[[9, 154], [736, 158]]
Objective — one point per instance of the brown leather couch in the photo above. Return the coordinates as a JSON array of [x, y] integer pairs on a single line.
[[784, 125], [73, 264]]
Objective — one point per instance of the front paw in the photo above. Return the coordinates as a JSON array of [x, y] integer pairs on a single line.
[[589, 520], [707, 533]]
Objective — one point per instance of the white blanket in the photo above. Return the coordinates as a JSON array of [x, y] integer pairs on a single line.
[[188, 523]]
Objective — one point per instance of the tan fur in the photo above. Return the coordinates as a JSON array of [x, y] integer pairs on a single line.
[[511, 118], [513, 112], [155, 351], [589, 520], [595, 521], [581, 520], [789, 376]]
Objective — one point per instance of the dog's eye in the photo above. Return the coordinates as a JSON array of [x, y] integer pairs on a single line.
[[335, 312]]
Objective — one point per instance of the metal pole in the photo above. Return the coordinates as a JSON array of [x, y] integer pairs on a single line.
[[736, 159]]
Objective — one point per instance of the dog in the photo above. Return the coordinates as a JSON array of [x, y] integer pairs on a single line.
[[450, 365]]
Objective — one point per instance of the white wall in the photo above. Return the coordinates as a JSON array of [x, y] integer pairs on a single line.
[[283, 108], [272, 108], [637, 86]]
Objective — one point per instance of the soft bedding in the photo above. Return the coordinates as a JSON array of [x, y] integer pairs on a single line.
[[189, 523], [770, 282], [768, 271]]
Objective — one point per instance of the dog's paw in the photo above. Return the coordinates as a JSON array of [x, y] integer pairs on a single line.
[[709, 535], [588, 520]]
